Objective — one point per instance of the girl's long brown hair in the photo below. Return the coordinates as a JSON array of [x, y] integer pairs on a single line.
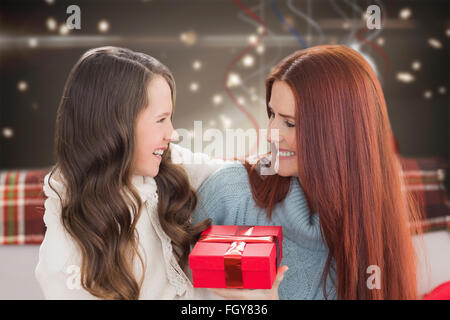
[[94, 146], [349, 172]]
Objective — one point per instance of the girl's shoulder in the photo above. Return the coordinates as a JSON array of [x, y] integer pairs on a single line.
[[54, 184]]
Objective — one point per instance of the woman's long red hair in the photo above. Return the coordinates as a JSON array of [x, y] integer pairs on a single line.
[[349, 172]]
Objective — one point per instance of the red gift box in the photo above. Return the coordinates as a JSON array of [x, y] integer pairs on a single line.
[[237, 257]]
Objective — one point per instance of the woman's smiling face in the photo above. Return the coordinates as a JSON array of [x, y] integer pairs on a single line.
[[154, 128], [282, 117]]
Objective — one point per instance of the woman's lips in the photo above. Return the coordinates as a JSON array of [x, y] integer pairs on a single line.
[[284, 154]]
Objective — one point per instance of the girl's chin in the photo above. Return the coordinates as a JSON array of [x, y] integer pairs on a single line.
[[149, 172], [153, 173]]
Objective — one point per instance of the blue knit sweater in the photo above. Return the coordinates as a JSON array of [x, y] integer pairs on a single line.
[[226, 198]]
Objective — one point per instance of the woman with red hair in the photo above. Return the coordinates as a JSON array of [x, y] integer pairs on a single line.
[[347, 222]]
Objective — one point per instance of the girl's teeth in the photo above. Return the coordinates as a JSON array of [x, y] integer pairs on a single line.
[[286, 153], [158, 152]]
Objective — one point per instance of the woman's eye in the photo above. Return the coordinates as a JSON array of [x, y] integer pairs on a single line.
[[290, 125]]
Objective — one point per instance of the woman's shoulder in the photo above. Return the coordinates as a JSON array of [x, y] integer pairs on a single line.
[[227, 184], [225, 189], [233, 170], [231, 177]]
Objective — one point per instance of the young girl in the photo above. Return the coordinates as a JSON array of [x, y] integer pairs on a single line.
[[347, 223], [118, 212]]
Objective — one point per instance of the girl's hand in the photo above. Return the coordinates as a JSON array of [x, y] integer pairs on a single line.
[[254, 294]]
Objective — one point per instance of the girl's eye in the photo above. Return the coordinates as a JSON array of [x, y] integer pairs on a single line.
[[290, 125], [162, 120]]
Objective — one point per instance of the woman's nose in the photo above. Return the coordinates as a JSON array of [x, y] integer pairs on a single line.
[[273, 134], [269, 140]]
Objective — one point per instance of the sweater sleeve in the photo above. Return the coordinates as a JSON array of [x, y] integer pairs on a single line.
[[197, 165], [210, 203], [58, 269], [221, 194]]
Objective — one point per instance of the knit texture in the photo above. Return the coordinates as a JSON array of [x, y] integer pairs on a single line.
[[226, 198]]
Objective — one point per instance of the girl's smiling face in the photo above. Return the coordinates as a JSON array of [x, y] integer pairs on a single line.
[[282, 117], [154, 128]]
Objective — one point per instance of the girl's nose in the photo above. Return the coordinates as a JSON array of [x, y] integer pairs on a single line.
[[174, 137], [171, 135]]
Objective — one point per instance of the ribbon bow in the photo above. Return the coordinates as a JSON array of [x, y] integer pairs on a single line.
[[233, 256]]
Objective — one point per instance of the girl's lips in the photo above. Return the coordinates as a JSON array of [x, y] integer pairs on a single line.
[[157, 154]]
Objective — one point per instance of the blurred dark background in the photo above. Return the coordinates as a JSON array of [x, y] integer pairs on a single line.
[[199, 40]]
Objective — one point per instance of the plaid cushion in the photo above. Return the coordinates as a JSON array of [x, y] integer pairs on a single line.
[[22, 206], [424, 177]]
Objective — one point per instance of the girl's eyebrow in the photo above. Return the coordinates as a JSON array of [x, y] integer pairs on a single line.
[[165, 114], [283, 115]]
